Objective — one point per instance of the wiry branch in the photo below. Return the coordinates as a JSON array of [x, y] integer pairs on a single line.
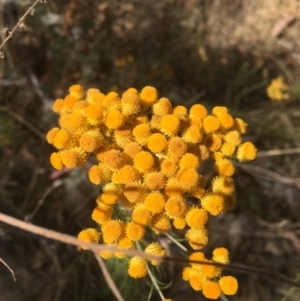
[[8, 267], [18, 25], [67, 239]]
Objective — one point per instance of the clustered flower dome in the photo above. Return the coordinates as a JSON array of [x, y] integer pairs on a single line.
[[148, 156]]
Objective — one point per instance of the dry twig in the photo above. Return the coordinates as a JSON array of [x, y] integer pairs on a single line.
[[108, 278], [19, 24], [67, 239], [278, 152], [8, 267]]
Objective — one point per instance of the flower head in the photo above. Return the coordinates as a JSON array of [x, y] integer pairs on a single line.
[[196, 217], [162, 107], [148, 95], [114, 119], [137, 267], [157, 142], [246, 152], [169, 124], [143, 161], [211, 290], [112, 231], [228, 285], [135, 231], [155, 202]]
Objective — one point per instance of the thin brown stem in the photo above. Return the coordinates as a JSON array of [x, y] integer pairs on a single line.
[[11, 33], [67, 239], [9, 268], [108, 277]]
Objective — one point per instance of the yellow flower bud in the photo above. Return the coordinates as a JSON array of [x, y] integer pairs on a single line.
[[95, 175], [221, 255], [211, 290], [137, 267], [226, 120], [141, 215], [130, 104], [157, 142], [213, 203], [223, 185], [189, 160], [219, 110], [197, 281], [111, 101], [213, 142], [240, 125], [197, 238], [227, 150], [177, 147], [112, 231], [224, 167], [61, 139], [186, 273], [193, 134], [89, 235], [155, 180], [173, 188], [125, 175], [58, 106], [148, 95], [155, 249], [135, 231], [123, 137], [77, 91], [114, 159], [233, 137], [187, 178], [155, 202], [196, 217], [198, 111], [132, 148], [246, 152], [134, 192], [141, 133], [56, 161], [228, 285], [169, 124], [114, 119], [74, 157], [99, 215], [160, 223], [124, 243], [196, 256], [94, 113], [210, 124], [69, 102], [143, 161], [50, 137], [162, 107], [169, 167], [175, 207], [179, 223], [91, 140]]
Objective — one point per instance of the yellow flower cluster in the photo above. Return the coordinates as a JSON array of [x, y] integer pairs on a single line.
[[148, 158], [207, 277], [278, 90]]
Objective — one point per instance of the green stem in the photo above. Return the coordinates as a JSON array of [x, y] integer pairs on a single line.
[[153, 280], [182, 247], [223, 297]]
